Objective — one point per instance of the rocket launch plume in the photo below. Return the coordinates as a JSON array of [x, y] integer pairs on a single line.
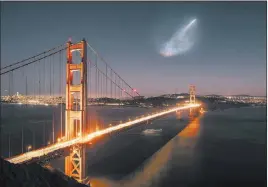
[[180, 42]]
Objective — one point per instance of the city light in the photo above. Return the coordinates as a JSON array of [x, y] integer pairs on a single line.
[[31, 100]]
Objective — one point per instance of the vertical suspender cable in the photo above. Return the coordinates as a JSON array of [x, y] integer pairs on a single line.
[[26, 89], [44, 130], [39, 73], [62, 82], [53, 108], [89, 87], [114, 85], [96, 81], [34, 80], [111, 84], [53, 128], [120, 92], [106, 89], [22, 139], [53, 90], [45, 87], [101, 85], [50, 77], [60, 94], [12, 92], [89, 79], [53, 87]]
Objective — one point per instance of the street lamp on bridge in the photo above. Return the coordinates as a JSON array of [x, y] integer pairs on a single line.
[[29, 148]]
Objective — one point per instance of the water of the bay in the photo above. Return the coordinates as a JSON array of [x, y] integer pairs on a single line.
[[219, 148]]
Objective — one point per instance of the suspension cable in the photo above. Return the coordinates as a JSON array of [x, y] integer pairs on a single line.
[[39, 80], [31, 62], [113, 81], [45, 87], [32, 57], [60, 71], [102, 59]]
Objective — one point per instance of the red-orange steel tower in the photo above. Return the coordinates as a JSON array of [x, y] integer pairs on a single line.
[[192, 94], [192, 101], [75, 116]]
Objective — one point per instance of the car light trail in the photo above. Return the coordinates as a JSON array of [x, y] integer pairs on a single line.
[[86, 138]]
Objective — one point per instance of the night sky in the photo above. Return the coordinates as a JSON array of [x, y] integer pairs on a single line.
[[228, 57]]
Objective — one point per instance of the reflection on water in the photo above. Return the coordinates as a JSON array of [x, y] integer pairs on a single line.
[[156, 167], [191, 130], [102, 182], [188, 135], [218, 149]]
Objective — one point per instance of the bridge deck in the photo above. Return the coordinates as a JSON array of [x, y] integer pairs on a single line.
[[86, 138]]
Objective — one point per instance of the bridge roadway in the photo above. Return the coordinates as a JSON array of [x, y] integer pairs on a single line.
[[89, 137]]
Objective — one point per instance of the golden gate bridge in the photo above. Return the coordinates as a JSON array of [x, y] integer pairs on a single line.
[[84, 79]]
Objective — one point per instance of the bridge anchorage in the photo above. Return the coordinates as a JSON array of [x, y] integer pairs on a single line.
[[75, 117]]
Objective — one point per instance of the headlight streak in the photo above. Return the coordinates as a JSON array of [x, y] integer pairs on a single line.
[[86, 138]]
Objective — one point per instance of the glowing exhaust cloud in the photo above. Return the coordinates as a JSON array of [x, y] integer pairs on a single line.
[[180, 42]]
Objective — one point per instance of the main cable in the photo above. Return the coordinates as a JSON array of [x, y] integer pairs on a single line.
[[32, 62], [32, 57]]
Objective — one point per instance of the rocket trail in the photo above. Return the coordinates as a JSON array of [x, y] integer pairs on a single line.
[[180, 42]]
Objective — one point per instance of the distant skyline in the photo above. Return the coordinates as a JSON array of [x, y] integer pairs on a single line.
[[228, 56]]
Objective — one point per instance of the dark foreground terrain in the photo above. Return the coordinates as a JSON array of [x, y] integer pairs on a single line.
[[33, 175]]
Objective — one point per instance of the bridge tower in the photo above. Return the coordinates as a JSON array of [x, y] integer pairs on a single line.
[[192, 94], [75, 116], [192, 101]]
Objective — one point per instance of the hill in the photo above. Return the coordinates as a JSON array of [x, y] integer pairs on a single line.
[[33, 175]]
